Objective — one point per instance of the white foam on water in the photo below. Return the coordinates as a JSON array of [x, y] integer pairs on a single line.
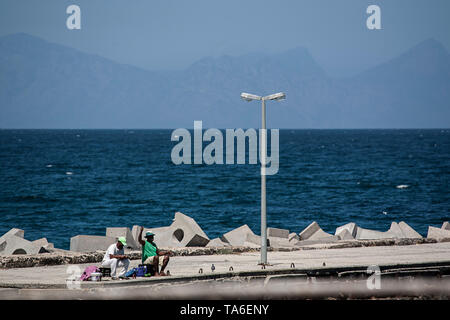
[[69, 173], [385, 212], [49, 165], [402, 186]]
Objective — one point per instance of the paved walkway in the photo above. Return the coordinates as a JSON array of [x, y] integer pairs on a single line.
[[188, 266]]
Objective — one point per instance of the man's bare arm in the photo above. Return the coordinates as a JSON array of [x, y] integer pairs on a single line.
[[118, 256], [163, 252], [142, 242]]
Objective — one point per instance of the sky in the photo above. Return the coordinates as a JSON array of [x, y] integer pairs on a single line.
[[172, 34]]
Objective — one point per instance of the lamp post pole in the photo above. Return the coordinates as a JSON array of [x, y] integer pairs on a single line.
[[263, 184], [263, 158]]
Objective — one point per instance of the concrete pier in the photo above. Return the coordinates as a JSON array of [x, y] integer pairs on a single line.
[[50, 281]]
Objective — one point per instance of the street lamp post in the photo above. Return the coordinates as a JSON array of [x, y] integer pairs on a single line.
[[263, 158]]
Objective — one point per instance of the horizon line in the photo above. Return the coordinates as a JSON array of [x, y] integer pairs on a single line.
[[141, 129]]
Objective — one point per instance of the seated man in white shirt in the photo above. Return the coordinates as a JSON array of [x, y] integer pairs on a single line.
[[114, 257]]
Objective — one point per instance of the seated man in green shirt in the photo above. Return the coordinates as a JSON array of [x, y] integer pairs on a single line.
[[152, 255]]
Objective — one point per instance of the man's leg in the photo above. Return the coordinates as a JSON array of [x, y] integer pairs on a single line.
[[112, 263], [124, 263], [156, 264], [165, 262]]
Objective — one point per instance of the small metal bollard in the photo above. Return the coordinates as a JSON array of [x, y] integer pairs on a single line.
[[200, 270], [292, 265], [230, 269]]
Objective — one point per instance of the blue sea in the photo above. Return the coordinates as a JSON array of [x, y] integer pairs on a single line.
[[61, 183]]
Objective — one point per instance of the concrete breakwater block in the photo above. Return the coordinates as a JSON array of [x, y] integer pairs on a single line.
[[446, 225], [314, 242], [183, 232], [216, 242], [41, 242], [396, 231], [135, 232], [87, 243], [438, 233], [14, 232], [367, 234], [408, 232], [17, 245], [251, 245], [344, 234], [123, 232], [314, 232], [309, 231], [48, 246], [158, 231], [13, 242], [252, 239], [163, 236], [293, 236], [279, 233], [238, 236], [277, 242], [351, 227]]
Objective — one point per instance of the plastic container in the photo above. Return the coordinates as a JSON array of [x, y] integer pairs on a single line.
[[96, 276]]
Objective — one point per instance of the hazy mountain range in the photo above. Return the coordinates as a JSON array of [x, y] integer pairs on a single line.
[[46, 85]]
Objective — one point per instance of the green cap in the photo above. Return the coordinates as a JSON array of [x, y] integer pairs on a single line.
[[149, 233], [123, 240]]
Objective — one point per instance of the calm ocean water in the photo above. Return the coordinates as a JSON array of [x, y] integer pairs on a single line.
[[61, 183]]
